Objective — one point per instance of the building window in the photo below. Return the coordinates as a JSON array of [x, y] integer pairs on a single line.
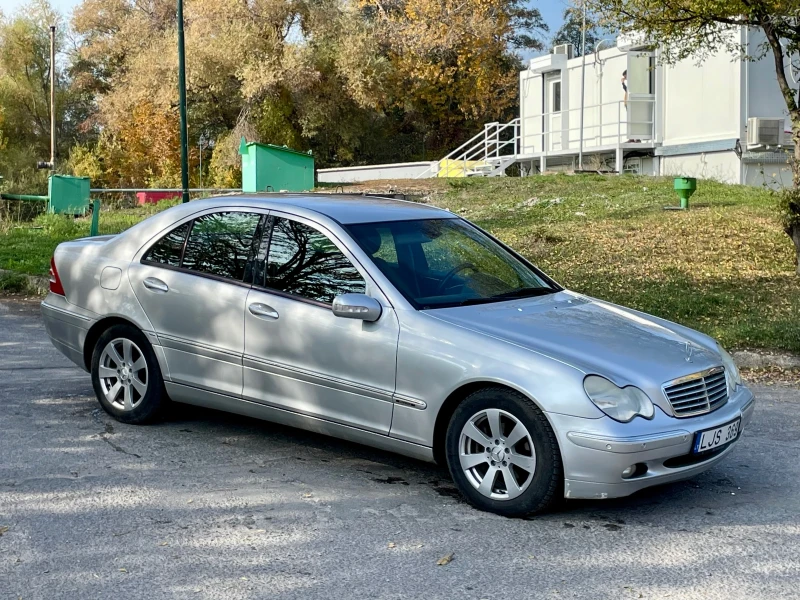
[[556, 96]]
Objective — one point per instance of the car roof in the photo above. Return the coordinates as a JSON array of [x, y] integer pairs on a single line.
[[346, 209]]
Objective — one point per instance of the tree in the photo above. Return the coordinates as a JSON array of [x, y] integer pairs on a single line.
[[570, 31], [451, 67], [25, 93], [699, 27]]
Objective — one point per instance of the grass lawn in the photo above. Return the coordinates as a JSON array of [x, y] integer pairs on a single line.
[[724, 267]]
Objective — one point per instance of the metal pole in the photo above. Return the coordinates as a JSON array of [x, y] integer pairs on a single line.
[[583, 78], [95, 227], [182, 102], [52, 97]]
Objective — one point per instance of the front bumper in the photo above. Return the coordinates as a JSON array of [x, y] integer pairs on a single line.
[[596, 451]]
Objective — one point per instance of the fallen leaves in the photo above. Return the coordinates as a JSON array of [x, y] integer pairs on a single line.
[[445, 560]]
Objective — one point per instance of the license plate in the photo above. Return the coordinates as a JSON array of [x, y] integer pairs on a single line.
[[714, 438]]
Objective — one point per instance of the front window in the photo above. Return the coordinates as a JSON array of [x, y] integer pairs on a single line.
[[437, 263], [303, 262]]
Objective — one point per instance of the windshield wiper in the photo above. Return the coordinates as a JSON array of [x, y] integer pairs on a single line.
[[524, 292]]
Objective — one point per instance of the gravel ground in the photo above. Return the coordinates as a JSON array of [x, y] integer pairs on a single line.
[[209, 505]]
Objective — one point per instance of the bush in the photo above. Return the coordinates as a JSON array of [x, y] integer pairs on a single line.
[[13, 283], [789, 207]]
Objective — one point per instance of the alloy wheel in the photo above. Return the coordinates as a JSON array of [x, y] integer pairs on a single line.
[[123, 374], [496, 454]]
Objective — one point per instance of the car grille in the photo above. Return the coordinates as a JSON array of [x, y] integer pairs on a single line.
[[699, 393]]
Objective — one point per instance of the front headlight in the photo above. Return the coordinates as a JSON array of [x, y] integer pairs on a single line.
[[731, 370], [621, 404]]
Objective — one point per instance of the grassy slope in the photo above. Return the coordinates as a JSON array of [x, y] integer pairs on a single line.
[[26, 246], [723, 267]]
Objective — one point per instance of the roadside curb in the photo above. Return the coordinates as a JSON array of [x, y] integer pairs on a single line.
[[751, 359], [34, 284]]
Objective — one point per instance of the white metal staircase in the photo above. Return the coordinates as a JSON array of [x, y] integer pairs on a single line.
[[487, 154]]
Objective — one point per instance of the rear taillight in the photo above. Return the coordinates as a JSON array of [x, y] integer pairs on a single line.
[[55, 280]]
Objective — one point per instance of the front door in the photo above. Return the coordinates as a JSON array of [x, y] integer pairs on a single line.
[[299, 356], [554, 111], [192, 292]]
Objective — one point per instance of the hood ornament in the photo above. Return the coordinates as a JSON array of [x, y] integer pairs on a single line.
[[689, 352]]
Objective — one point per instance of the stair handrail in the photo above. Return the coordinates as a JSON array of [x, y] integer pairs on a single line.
[[485, 135]]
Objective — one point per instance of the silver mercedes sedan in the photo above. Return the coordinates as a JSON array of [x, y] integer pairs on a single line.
[[400, 326]]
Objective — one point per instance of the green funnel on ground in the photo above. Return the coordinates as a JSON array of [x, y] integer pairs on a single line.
[[685, 187]]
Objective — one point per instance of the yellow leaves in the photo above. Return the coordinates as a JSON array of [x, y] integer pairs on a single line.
[[445, 560]]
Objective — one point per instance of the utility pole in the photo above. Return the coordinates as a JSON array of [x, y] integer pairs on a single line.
[[52, 98], [182, 108], [583, 82]]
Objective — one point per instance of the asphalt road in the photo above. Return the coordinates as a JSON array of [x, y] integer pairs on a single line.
[[208, 505]]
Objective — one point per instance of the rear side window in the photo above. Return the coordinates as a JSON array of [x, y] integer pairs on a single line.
[[220, 244], [168, 250]]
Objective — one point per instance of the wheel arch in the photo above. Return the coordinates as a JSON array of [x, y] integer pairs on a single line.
[[96, 330], [455, 398]]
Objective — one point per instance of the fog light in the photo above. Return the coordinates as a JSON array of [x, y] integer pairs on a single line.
[[636, 470]]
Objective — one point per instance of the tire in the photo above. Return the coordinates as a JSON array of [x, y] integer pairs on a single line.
[[532, 462], [123, 356]]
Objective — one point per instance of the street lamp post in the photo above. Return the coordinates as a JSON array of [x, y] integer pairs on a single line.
[[182, 107], [583, 83]]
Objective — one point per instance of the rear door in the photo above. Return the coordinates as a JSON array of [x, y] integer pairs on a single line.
[[300, 356], [191, 285]]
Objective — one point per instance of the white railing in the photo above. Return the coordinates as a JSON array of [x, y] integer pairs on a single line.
[[491, 146], [604, 125]]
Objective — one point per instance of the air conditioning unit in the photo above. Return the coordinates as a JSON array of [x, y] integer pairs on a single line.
[[764, 133], [567, 49]]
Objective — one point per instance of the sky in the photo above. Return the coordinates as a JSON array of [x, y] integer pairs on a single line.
[[552, 10]]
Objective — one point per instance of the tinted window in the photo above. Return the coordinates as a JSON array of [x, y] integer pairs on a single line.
[[220, 244], [446, 262], [167, 250], [304, 262]]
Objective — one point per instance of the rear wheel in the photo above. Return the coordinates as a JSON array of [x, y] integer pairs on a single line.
[[503, 454], [126, 376]]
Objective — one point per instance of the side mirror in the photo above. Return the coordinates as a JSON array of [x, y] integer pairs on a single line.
[[357, 306]]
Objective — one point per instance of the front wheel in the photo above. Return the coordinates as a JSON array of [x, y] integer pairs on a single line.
[[126, 376], [503, 455]]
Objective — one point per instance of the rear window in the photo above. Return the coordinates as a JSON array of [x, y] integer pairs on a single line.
[[168, 250], [220, 244]]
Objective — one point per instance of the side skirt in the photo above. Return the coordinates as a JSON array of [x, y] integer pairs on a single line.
[[198, 397]]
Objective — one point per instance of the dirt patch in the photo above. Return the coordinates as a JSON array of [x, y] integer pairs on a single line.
[[21, 304]]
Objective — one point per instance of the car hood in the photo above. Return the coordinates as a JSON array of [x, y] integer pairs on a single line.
[[594, 336]]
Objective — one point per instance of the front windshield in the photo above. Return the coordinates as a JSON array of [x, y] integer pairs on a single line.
[[436, 263]]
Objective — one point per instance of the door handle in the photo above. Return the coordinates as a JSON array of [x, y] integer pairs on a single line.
[[263, 311], [151, 283]]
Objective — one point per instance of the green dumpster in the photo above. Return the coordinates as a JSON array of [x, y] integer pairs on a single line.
[[68, 195], [275, 168]]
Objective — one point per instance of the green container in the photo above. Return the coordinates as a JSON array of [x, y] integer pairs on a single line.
[[685, 187], [68, 195], [275, 167]]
